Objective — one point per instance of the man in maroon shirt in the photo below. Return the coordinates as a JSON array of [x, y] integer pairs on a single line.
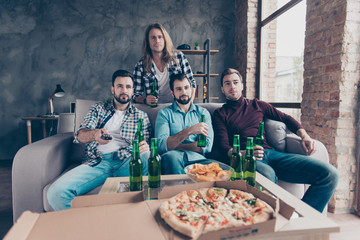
[[242, 116]]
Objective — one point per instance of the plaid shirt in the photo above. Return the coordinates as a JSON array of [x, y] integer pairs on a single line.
[[145, 80], [98, 115]]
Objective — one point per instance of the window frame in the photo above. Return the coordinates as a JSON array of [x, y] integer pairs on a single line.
[[262, 23]]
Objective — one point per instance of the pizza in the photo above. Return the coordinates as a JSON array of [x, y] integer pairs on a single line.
[[193, 212]]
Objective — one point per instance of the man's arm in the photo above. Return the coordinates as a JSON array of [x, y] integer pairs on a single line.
[[148, 100], [175, 141], [186, 68], [189, 147], [138, 86], [307, 142], [221, 134], [271, 112], [209, 136], [167, 142], [90, 122], [88, 135]]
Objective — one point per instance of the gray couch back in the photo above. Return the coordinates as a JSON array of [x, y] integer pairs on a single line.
[[276, 132], [82, 107]]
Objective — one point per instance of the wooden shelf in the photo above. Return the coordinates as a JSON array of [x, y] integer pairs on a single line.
[[198, 52], [204, 75]]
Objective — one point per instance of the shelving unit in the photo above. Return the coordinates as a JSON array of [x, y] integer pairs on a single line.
[[206, 75]]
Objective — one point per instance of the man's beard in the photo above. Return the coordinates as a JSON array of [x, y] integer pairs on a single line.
[[183, 102], [122, 101]]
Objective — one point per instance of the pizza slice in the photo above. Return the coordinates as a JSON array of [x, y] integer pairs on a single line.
[[259, 210], [213, 194], [184, 215], [238, 196], [185, 222], [217, 220]]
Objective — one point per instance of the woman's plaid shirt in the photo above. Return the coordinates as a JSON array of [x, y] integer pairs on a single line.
[[98, 116], [144, 80]]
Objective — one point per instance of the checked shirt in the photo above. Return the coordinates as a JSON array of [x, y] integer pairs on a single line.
[[144, 80], [98, 116]]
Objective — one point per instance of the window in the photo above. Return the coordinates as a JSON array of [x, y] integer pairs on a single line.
[[280, 61]]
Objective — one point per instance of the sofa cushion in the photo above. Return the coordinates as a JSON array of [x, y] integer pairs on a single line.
[[77, 153], [275, 134], [151, 112], [81, 109]]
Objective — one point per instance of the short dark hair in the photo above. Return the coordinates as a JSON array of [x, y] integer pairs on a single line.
[[178, 76], [122, 73], [229, 71]]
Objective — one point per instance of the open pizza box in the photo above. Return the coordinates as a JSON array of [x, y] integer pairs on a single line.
[[127, 216]]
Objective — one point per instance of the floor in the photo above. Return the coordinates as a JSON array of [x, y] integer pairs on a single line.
[[349, 226], [349, 223]]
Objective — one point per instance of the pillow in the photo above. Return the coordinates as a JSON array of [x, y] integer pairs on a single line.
[[275, 134]]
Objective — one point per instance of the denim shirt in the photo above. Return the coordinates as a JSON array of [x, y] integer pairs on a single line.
[[172, 120], [144, 80]]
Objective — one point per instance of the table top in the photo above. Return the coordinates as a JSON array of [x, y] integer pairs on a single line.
[[310, 220]]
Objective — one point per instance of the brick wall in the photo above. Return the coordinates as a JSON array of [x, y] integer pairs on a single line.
[[245, 43], [330, 100], [330, 96]]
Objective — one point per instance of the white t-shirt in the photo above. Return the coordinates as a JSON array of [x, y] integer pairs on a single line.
[[163, 85], [113, 128]]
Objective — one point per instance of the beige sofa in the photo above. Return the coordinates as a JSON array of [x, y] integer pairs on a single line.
[[38, 164]]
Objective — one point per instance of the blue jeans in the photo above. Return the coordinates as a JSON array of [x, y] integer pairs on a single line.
[[174, 162], [296, 168], [84, 178]]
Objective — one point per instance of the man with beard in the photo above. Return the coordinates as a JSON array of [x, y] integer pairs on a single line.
[[242, 116], [117, 119], [177, 127]]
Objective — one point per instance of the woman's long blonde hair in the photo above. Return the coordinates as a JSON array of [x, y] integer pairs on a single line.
[[168, 51]]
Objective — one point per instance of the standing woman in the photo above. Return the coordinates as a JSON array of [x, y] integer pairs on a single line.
[[159, 61]]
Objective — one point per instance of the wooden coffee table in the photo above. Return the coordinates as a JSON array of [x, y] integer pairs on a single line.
[[310, 224]]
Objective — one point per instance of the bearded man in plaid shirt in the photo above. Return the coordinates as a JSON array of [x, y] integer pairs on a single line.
[[104, 158]]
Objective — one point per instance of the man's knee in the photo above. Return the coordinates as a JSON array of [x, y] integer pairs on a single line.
[[170, 157], [171, 162], [55, 196], [333, 175], [266, 171]]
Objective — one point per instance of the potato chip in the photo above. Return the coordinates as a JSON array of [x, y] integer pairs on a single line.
[[210, 172]]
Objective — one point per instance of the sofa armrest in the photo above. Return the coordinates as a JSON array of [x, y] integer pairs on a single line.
[[34, 166], [293, 145]]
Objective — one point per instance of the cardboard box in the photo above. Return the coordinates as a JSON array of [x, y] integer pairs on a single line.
[[127, 216]]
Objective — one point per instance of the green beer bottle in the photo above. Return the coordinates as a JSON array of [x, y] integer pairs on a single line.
[[249, 163], [154, 165], [201, 137], [139, 135], [135, 169], [154, 92], [236, 159], [259, 138]]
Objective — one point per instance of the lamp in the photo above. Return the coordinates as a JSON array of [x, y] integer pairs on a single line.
[[59, 92]]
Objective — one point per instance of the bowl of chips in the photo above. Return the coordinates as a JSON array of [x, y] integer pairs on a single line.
[[209, 172]]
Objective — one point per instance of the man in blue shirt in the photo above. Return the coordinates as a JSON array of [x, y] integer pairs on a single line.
[[177, 127]]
